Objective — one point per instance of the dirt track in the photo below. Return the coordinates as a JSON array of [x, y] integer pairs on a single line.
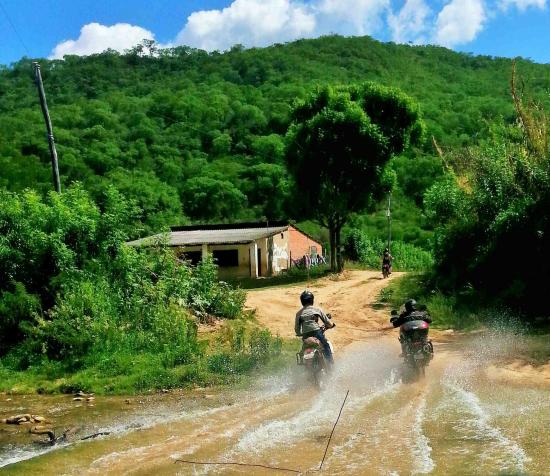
[[349, 299]]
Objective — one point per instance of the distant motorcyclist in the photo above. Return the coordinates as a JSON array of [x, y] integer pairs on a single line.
[[387, 259], [307, 323]]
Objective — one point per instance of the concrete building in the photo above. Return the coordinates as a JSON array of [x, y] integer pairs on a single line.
[[243, 249]]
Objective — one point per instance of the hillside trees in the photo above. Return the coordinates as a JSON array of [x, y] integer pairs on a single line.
[[493, 236], [185, 114], [339, 142]]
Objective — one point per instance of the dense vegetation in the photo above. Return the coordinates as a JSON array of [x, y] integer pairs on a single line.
[[365, 249], [198, 136], [147, 141], [492, 210], [74, 299]]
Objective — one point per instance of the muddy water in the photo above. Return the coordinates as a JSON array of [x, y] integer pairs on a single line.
[[454, 421]]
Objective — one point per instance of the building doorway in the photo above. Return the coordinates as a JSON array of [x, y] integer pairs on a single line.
[[259, 262]]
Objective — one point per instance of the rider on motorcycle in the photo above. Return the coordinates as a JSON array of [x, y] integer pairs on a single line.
[[307, 323], [387, 259], [410, 314]]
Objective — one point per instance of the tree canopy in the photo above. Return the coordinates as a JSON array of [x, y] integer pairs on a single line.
[[339, 142]]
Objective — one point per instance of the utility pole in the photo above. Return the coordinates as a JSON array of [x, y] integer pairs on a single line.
[[46, 113], [388, 214]]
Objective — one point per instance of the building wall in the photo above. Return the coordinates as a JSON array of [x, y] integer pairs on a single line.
[[301, 244], [276, 252], [241, 271], [281, 252]]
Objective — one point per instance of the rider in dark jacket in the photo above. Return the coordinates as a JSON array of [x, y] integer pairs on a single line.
[[306, 323], [410, 314]]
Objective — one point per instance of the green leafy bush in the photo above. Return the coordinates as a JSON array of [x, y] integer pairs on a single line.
[[493, 226], [72, 291]]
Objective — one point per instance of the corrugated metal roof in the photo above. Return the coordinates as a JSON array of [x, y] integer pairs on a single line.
[[211, 237]]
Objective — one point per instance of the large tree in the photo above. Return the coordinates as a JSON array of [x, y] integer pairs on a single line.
[[338, 144]]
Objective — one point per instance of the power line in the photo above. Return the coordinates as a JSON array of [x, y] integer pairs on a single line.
[[14, 29]]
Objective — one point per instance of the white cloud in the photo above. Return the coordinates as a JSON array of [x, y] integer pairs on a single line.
[[263, 22], [248, 22], [412, 21], [522, 5], [353, 17], [96, 38], [459, 22]]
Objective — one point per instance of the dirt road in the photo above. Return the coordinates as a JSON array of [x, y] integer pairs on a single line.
[[349, 299]]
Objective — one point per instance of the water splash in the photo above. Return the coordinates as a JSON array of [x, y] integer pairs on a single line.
[[421, 449], [506, 453], [368, 371]]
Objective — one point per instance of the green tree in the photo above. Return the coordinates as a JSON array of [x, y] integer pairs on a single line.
[[159, 202], [267, 188], [339, 141], [207, 198]]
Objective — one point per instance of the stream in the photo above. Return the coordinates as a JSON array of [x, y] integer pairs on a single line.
[[455, 421]]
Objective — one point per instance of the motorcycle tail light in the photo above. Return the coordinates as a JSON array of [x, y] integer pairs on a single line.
[[308, 351]]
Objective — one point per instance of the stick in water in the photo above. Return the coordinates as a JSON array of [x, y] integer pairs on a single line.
[[238, 464], [333, 428]]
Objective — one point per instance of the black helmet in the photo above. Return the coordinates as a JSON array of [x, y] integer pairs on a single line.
[[386, 250], [306, 298], [410, 305]]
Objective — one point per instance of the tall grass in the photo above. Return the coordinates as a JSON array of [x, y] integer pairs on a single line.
[[368, 251]]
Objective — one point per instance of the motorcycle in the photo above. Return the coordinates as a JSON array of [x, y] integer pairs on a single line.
[[417, 349], [312, 357], [386, 270]]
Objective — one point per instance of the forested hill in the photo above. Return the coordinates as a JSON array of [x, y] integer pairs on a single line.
[[198, 136]]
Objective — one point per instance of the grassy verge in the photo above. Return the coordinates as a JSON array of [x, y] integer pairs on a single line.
[[289, 277], [448, 312], [461, 311], [229, 356]]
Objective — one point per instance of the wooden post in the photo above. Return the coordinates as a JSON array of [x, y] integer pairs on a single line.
[[388, 215], [46, 113]]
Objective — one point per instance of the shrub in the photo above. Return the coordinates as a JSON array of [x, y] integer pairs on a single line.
[[95, 296]]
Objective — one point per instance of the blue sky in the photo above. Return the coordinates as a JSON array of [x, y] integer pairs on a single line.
[[52, 28]]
